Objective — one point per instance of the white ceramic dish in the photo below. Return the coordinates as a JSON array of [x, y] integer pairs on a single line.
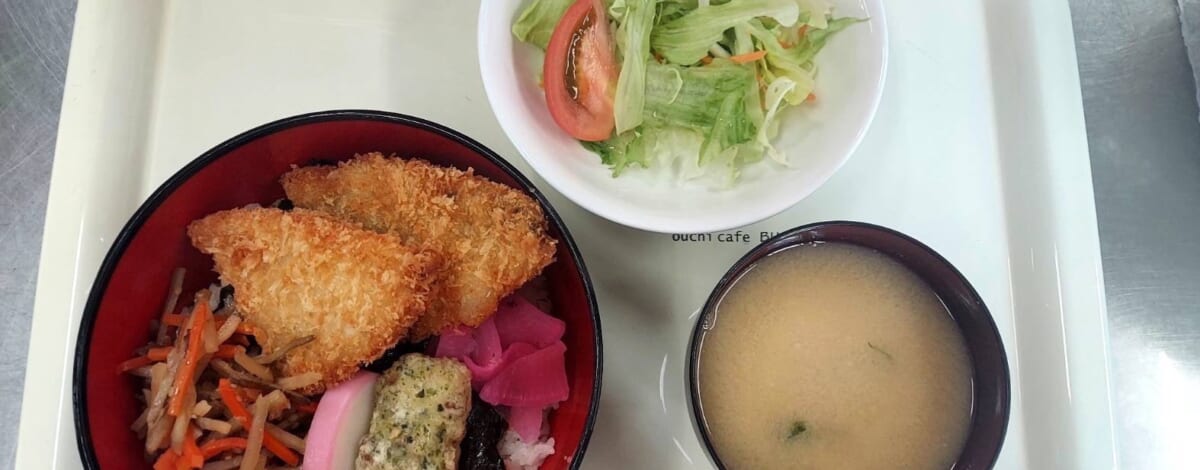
[[817, 139], [978, 149]]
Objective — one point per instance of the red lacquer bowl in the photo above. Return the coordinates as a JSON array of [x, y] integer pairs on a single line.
[[131, 287]]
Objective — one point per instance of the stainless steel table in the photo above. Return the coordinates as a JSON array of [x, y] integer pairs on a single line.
[[1141, 111], [34, 38], [1140, 105]]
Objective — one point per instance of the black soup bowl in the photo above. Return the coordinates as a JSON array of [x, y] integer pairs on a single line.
[[990, 378]]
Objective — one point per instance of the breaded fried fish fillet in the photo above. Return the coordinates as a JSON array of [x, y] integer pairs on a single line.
[[492, 238], [303, 273]]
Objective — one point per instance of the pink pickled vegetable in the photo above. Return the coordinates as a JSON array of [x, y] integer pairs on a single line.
[[518, 321], [536, 380], [517, 359], [526, 421], [455, 343], [482, 373], [487, 343]]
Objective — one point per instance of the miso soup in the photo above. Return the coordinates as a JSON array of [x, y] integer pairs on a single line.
[[834, 356]]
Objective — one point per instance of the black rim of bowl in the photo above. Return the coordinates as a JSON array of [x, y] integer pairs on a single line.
[[83, 437], [774, 245]]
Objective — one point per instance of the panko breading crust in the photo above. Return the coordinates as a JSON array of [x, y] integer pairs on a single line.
[[420, 415], [491, 237], [304, 273]]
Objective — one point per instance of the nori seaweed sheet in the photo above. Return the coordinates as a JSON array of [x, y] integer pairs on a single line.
[[479, 449]]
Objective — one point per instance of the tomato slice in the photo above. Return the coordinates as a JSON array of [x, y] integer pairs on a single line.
[[580, 72]]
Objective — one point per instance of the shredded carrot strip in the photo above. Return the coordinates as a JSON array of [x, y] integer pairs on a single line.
[[249, 394], [220, 320], [153, 355], [812, 98], [192, 458], [748, 57], [174, 319], [283, 452], [803, 30], [226, 351], [229, 395], [166, 461], [215, 447], [159, 354], [249, 330], [136, 363], [187, 371], [706, 60]]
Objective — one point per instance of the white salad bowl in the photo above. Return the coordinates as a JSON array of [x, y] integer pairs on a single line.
[[817, 138]]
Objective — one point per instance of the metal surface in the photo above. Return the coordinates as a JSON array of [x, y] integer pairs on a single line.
[[1141, 112], [1144, 137], [34, 38]]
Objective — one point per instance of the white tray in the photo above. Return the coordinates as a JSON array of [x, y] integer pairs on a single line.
[[978, 150]]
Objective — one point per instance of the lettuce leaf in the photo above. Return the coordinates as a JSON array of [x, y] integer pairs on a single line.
[[814, 40], [784, 62], [694, 97], [719, 102], [686, 39], [674, 154], [776, 91], [634, 37], [537, 21], [624, 150], [817, 12]]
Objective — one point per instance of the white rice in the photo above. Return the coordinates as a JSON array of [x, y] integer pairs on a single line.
[[518, 454]]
